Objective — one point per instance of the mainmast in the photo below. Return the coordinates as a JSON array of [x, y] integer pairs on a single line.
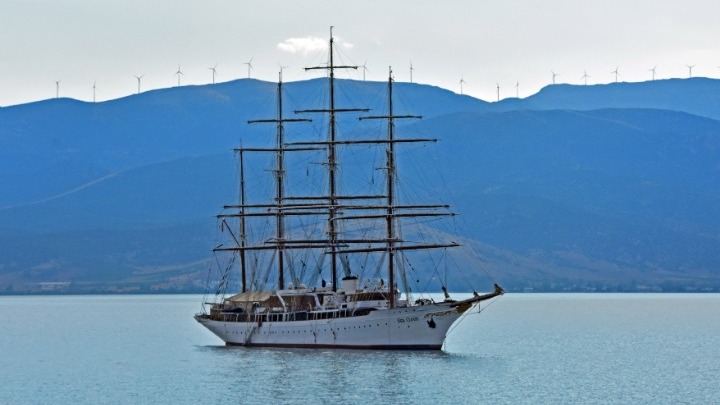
[[332, 159]]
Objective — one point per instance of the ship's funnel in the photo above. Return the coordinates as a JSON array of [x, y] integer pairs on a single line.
[[350, 284]]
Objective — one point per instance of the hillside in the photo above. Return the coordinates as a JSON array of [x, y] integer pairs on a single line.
[[698, 96], [567, 190]]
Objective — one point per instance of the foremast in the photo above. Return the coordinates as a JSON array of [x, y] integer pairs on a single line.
[[390, 152]]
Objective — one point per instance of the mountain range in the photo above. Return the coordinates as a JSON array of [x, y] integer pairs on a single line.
[[576, 188]]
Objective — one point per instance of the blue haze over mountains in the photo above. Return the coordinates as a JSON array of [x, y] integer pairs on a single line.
[[603, 188]]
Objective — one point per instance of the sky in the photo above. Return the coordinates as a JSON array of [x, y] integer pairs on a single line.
[[513, 44]]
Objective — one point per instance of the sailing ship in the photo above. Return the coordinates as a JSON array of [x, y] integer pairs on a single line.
[[349, 311]]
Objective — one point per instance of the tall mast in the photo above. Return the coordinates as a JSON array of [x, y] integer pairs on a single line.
[[391, 191], [332, 232], [279, 174], [279, 178], [332, 159], [242, 223], [391, 211]]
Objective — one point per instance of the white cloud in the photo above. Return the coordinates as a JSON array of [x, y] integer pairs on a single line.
[[343, 44], [308, 45], [302, 45]]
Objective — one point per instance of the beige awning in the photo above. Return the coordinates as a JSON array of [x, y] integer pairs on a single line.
[[250, 296]]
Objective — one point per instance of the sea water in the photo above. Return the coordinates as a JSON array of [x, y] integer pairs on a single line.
[[521, 348]]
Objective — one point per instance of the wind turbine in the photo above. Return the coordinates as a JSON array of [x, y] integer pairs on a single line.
[[138, 80], [214, 72], [95, 82], [281, 69], [498, 90], [585, 76], [616, 73], [653, 72], [178, 74], [517, 89], [690, 68], [554, 75], [411, 71], [249, 65], [364, 68], [462, 81], [57, 88]]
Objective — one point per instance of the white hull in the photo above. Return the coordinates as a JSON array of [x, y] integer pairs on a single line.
[[417, 327]]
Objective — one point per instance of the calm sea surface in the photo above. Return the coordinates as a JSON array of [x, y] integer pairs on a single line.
[[523, 348]]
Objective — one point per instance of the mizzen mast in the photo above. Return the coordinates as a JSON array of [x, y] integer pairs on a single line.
[[279, 150]]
